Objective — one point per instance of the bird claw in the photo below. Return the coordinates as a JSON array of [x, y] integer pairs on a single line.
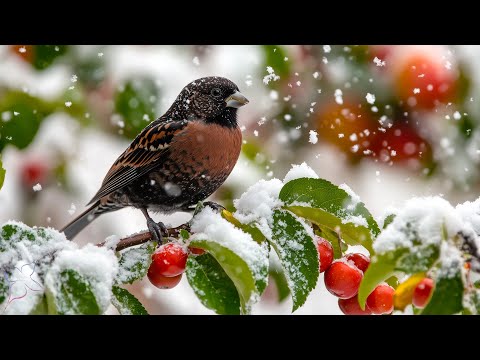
[[156, 229], [214, 206]]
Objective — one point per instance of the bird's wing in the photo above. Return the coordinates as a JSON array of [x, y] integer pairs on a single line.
[[143, 154]]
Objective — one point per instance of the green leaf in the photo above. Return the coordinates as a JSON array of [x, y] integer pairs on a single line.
[[136, 103], [281, 283], [2, 174], [126, 303], [333, 238], [3, 287], [134, 263], [447, 297], [388, 220], [41, 308], [25, 116], [297, 253], [350, 233], [45, 55], [212, 285], [380, 269], [275, 57], [250, 229], [250, 282], [322, 194], [185, 235], [72, 295]]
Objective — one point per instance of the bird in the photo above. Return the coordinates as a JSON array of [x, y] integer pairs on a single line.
[[176, 161]]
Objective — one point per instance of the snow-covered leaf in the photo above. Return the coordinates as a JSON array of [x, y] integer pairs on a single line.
[[134, 263], [252, 230], [297, 253], [212, 285], [246, 279], [72, 294], [404, 292], [281, 283], [126, 303], [3, 288], [324, 203]]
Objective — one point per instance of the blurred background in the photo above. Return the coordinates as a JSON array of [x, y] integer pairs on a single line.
[[390, 121]]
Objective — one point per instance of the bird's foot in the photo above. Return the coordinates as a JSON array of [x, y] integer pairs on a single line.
[[213, 205], [156, 229]]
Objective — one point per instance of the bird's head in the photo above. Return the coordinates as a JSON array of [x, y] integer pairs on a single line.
[[211, 99]]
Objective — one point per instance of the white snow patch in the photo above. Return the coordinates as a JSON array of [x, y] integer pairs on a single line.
[[37, 187], [379, 62], [313, 137], [300, 171]]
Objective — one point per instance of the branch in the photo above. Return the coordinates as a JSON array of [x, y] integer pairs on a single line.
[[144, 236]]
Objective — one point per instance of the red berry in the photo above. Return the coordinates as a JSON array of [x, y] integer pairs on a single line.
[[421, 294], [169, 260], [163, 282], [196, 251], [361, 261], [325, 253], [343, 279], [33, 172], [380, 301], [351, 307]]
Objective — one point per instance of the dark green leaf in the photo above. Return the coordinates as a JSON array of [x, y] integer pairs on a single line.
[[73, 295], [136, 103], [184, 234], [45, 55], [250, 281], [447, 297], [25, 115], [126, 303], [297, 253], [212, 285], [134, 263], [3, 287]]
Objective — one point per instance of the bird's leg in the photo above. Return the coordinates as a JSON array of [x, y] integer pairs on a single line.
[[154, 228]]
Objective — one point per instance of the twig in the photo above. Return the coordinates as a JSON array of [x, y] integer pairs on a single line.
[[144, 236]]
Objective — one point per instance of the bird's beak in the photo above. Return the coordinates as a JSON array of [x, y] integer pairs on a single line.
[[236, 100]]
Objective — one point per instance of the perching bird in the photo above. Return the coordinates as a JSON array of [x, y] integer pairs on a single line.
[[177, 160]]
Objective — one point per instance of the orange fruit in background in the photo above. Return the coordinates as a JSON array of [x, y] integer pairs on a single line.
[[348, 126], [423, 77], [26, 55]]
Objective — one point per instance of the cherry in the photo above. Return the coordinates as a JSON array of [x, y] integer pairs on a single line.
[[196, 251], [169, 260], [421, 294], [351, 307], [33, 172], [359, 260], [342, 279], [163, 282], [380, 301], [325, 253]]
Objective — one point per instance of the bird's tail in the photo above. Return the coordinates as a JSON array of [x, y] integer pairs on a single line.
[[85, 218]]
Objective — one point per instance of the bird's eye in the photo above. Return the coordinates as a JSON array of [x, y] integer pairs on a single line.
[[216, 92]]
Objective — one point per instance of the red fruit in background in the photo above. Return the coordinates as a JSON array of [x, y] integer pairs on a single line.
[[342, 279], [349, 127], [401, 143], [33, 172], [359, 260], [163, 282], [422, 292], [381, 52], [351, 307], [325, 253], [424, 69], [196, 251], [380, 301], [169, 260]]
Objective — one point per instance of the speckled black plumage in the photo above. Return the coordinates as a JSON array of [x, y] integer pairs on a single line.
[[177, 160]]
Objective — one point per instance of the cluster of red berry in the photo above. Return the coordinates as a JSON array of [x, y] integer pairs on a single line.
[[342, 279], [168, 264]]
